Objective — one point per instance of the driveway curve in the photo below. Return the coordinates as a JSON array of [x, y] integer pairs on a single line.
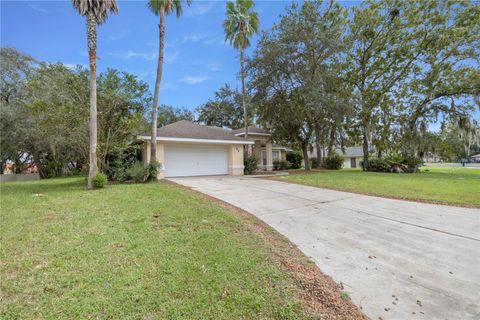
[[396, 259]]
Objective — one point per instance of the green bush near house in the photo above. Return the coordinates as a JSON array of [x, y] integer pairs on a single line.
[[250, 163], [153, 168], [280, 165], [295, 160], [334, 161], [139, 172], [284, 165], [276, 165]]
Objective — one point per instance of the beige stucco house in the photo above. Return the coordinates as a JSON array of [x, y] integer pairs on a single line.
[[263, 148], [188, 149], [185, 148]]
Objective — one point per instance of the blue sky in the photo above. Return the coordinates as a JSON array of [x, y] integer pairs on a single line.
[[197, 59]]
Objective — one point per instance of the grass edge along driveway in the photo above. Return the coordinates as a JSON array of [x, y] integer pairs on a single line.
[[441, 185], [149, 251]]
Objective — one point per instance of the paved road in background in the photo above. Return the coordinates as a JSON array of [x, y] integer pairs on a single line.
[[467, 165]]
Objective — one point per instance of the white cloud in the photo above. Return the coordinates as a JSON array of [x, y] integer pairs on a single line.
[[150, 55], [200, 8], [207, 39], [118, 36], [193, 79], [155, 44], [214, 66], [196, 37], [167, 86], [215, 41], [35, 8], [171, 56], [133, 54]]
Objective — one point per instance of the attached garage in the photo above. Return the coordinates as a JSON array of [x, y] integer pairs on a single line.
[[188, 149], [195, 160]]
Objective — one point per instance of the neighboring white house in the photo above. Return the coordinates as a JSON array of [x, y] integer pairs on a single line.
[[475, 158], [351, 157]]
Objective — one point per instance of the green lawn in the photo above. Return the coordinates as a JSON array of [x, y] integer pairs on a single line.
[[451, 185], [144, 251]]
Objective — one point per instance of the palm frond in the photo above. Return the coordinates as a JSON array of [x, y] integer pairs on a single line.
[[240, 23], [99, 8], [169, 6]]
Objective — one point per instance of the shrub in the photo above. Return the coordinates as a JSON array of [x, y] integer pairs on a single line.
[[139, 172], [412, 163], [280, 165], [117, 171], [99, 180], [153, 168], [377, 165], [251, 163], [119, 160], [295, 160], [394, 163], [333, 161], [313, 163], [276, 165], [284, 165]]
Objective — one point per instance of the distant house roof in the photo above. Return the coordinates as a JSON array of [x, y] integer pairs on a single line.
[[351, 152], [184, 130], [251, 130]]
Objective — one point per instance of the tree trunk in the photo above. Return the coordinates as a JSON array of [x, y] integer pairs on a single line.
[[319, 154], [331, 140], [242, 75], [305, 156], [153, 141], [92, 45], [365, 148]]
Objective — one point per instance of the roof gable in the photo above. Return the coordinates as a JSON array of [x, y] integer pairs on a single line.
[[184, 129], [251, 130]]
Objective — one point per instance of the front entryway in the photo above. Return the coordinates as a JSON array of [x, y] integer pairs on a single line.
[[353, 162]]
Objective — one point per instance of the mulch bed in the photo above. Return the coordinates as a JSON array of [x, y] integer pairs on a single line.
[[319, 294]]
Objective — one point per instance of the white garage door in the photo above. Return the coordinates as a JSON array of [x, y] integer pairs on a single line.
[[195, 160]]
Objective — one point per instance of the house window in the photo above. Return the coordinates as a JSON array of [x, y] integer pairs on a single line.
[[276, 155]]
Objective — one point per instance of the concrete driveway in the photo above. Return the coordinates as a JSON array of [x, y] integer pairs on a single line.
[[396, 259]]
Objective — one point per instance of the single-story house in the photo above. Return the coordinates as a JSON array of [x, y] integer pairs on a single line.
[[263, 148], [475, 158], [188, 149], [185, 148], [351, 157]]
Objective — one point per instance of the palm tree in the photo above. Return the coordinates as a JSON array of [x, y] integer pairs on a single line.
[[96, 12], [241, 23], [161, 8]]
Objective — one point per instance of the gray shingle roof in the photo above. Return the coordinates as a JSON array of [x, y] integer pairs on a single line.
[[189, 130], [351, 152]]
